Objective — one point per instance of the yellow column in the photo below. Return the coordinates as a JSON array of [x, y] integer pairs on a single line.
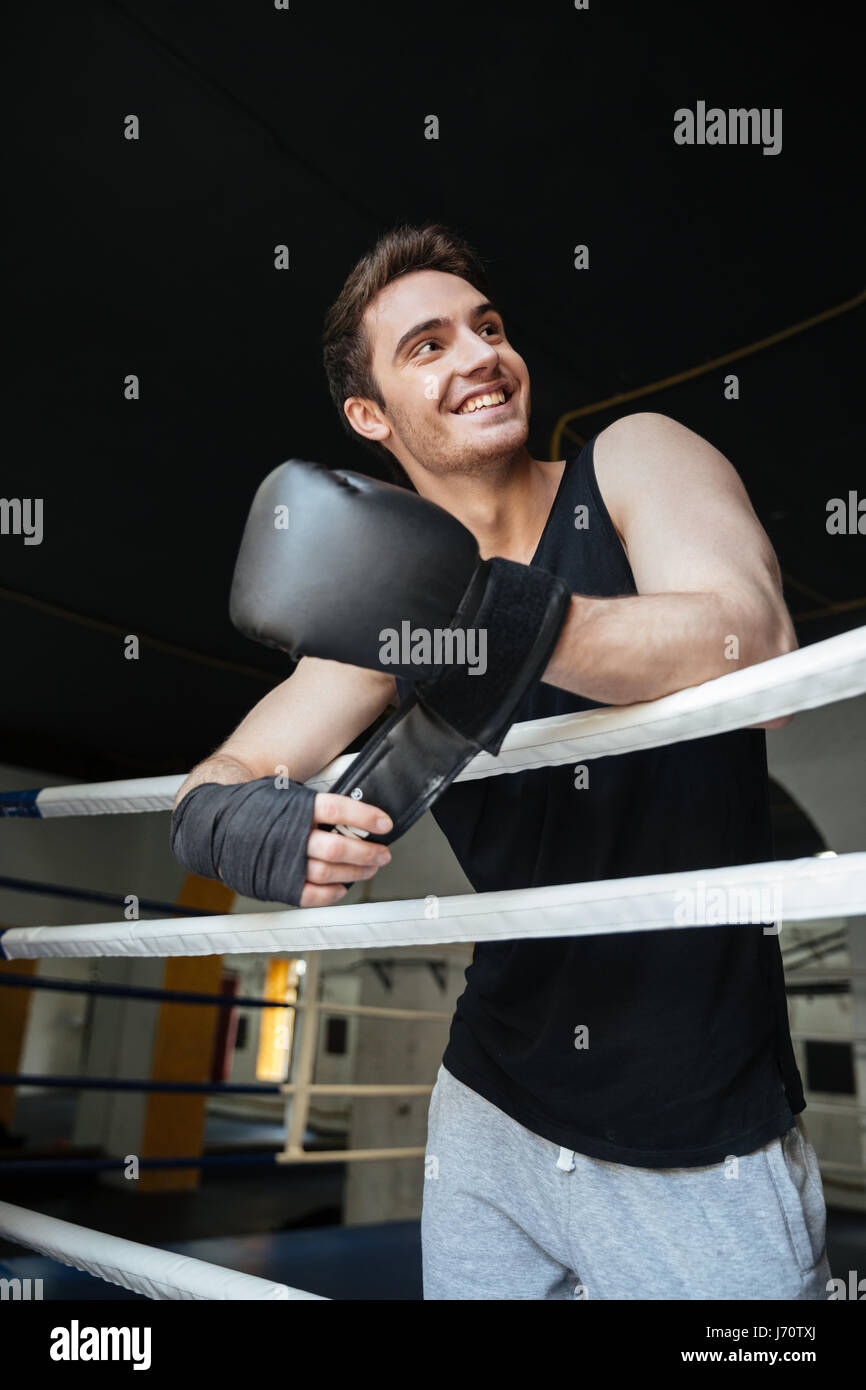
[[277, 1026], [183, 1051]]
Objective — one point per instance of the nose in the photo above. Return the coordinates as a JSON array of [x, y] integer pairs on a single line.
[[473, 354]]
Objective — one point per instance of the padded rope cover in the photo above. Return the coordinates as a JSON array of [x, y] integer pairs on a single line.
[[158, 1274]]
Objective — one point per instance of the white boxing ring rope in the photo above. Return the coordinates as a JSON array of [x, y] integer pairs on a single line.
[[158, 1274], [827, 671], [801, 890]]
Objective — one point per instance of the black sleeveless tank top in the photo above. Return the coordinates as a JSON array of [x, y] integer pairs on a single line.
[[687, 1056]]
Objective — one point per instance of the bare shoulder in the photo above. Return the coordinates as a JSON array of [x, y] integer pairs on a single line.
[[649, 447], [647, 438]]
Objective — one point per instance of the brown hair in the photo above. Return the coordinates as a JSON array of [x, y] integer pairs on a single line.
[[348, 353]]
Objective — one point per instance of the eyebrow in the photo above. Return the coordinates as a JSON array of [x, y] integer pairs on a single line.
[[430, 325]]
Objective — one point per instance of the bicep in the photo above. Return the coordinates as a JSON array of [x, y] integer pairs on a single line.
[[310, 718], [684, 515]]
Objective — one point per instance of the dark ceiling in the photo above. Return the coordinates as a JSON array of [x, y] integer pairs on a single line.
[[305, 126]]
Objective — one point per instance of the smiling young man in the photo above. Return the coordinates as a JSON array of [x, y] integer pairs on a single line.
[[615, 1116]]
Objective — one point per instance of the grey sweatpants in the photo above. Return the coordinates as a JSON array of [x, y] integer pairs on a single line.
[[509, 1215]]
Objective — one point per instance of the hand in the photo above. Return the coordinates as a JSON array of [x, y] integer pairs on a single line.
[[262, 839], [336, 861]]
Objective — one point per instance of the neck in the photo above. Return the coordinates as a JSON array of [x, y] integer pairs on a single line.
[[505, 507]]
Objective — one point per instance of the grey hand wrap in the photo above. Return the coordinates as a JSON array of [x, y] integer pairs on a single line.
[[254, 833]]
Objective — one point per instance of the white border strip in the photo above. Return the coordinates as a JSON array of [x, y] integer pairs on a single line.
[[110, 798], [794, 890], [834, 669], [141, 1268]]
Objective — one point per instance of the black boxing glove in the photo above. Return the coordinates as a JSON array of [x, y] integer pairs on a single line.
[[252, 835], [338, 566], [329, 560]]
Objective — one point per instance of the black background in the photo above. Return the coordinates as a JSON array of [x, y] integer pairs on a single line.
[[306, 128]]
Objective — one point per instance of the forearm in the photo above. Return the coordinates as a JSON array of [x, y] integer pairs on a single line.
[[623, 651], [299, 726], [220, 767]]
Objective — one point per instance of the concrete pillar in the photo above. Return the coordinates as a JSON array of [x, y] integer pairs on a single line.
[[817, 759]]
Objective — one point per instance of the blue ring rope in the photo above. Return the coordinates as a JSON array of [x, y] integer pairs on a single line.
[[168, 996], [112, 1083], [93, 895], [37, 1166]]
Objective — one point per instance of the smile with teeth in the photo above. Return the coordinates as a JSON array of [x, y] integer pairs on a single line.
[[482, 402]]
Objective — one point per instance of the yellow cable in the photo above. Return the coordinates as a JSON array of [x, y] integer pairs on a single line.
[[561, 425]]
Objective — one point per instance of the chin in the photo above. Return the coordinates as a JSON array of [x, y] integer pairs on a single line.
[[506, 440]]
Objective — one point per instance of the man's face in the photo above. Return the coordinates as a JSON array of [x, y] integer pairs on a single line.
[[439, 348]]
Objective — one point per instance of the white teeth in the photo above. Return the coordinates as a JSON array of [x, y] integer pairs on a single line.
[[480, 402]]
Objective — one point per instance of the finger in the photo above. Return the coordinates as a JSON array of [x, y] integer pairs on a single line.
[[320, 872], [344, 849], [330, 809], [316, 896]]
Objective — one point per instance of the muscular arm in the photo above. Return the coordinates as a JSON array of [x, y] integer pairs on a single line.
[[704, 568]]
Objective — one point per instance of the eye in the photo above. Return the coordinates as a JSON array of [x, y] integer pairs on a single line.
[[494, 328], [428, 342]]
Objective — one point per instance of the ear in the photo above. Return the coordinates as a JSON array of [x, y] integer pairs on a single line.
[[367, 419]]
